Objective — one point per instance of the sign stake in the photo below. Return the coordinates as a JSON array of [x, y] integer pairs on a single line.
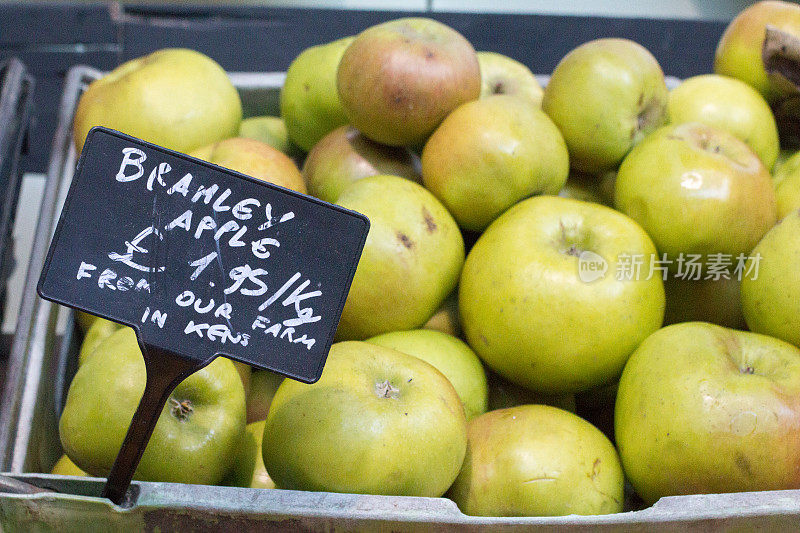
[[165, 370]]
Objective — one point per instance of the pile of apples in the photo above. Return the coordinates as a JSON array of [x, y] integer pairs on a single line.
[[458, 367]]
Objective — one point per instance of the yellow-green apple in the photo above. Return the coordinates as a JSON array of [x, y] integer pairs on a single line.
[[97, 332], [377, 422], [502, 75], [771, 282], [503, 394], [489, 154], [544, 300], [176, 98], [741, 50], [605, 96], [254, 158], [345, 155], [411, 260], [787, 185], [398, 80], [450, 356], [705, 300], [271, 131], [263, 385], [446, 319], [706, 409], [248, 465], [197, 434], [696, 189], [65, 467], [728, 104], [537, 460], [310, 104]]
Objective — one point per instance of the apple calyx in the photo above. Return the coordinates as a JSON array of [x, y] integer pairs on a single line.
[[180, 409], [571, 242], [780, 53], [384, 389]]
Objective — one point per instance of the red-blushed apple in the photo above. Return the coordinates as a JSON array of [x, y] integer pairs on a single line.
[[740, 52], [398, 80], [605, 96], [537, 460], [706, 409], [541, 299], [345, 155], [489, 154], [697, 189]]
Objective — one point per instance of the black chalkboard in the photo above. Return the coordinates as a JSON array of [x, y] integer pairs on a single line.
[[201, 261]]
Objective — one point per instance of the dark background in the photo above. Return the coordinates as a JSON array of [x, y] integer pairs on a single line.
[[49, 38]]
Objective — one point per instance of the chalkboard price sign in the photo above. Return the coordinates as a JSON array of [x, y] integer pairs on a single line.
[[201, 261]]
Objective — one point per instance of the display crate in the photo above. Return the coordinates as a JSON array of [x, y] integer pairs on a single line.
[[47, 345]]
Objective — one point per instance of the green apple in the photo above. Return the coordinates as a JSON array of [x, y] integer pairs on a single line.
[[771, 288], [728, 104], [411, 260], [450, 356], [248, 465], [537, 460], [65, 467], [502, 75], [263, 385], [489, 154], [97, 332], [706, 409], [704, 300], [605, 96], [176, 98], [377, 422], [740, 52], [345, 155], [446, 318], [697, 189], [787, 185], [398, 80], [256, 159], [271, 131], [503, 394], [197, 434], [541, 300], [310, 104]]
